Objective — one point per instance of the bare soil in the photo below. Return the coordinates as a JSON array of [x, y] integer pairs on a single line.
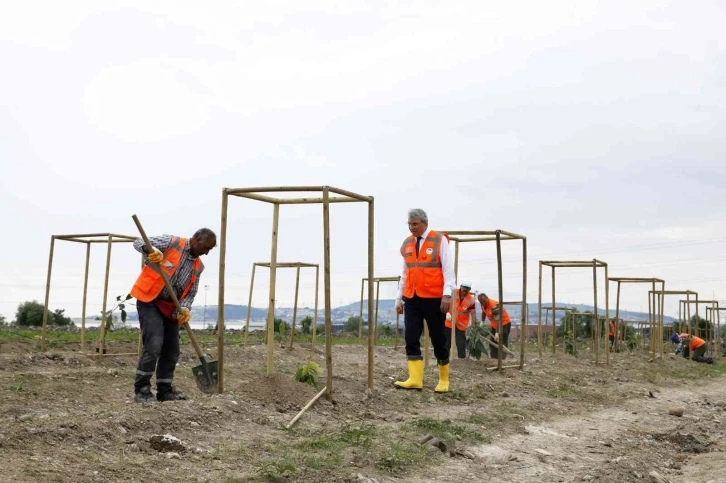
[[69, 418]]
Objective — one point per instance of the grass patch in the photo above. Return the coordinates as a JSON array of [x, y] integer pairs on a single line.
[[565, 390], [446, 429], [400, 456]]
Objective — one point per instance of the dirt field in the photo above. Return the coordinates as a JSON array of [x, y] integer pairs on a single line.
[[64, 417]]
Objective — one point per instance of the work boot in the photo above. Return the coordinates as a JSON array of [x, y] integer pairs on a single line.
[[144, 395], [171, 395], [415, 375], [443, 385]]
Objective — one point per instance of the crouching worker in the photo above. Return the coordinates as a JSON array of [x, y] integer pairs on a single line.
[[158, 318], [693, 347], [490, 308], [465, 307]]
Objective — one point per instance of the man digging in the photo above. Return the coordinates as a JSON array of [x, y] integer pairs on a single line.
[[159, 320]]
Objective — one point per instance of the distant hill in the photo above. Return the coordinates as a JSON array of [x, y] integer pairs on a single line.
[[386, 313]]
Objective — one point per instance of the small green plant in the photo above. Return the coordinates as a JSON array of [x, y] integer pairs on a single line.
[[633, 341], [121, 301], [475, 335], [308, 373], [570, 343], [276, 470]]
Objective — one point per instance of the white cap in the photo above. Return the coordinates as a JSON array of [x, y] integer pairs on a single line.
[[466, 284]]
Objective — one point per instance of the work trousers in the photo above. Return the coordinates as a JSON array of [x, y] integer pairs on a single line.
[[460, 341], [415, 311], [494, 351], [160, 336], [697, 353]]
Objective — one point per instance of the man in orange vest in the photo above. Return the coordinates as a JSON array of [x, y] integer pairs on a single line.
[[693, 347], [158, 318], [466, 306], [487, 305], [427, 280], [612, 332]]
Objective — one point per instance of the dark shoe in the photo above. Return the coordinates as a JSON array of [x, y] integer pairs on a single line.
[[170, 396], [144, 395]]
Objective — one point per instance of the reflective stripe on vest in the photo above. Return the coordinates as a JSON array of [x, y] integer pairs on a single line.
[[463, 315], [424, 277], [149, 284]]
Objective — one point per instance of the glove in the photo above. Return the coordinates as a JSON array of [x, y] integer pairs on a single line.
[[448, 315], [155, 256], [496, 338], [399, 306], [183, 316]]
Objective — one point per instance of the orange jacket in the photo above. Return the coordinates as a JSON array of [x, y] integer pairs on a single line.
[[425, 277], [495, 320], [697, 342], [463, 311], [612, 330], [150, 284]]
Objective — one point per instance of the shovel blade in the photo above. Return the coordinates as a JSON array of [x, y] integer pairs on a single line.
[[206, 377]]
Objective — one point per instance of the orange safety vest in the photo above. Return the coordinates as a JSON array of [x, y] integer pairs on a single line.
[[696, 342], [495, 320], [150, 284], [425, 276], [463, 308], [611, 332]]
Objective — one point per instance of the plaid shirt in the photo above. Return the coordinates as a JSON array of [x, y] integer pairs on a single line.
[[183, 274]]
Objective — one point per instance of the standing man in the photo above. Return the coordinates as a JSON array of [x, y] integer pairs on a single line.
[[489, 308], [158, 318], [465, 308], [427, 280], [612, 334]]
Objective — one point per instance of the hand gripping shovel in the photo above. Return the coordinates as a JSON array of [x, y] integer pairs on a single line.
[[206, 373]]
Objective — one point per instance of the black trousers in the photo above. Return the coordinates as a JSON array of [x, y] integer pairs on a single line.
[[697, 353], [160, 336], [494, 349], [460, 341], [415, 311]]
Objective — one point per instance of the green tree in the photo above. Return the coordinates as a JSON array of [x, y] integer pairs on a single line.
[[280, 324], [351, 325], [30, 314], [307, 325], [3, 322]]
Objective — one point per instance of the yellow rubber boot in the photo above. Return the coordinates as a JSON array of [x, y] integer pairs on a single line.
[[415, 376], [443, 385]]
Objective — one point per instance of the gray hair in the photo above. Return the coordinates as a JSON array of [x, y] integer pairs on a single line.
[[419, 213], [205, 234]]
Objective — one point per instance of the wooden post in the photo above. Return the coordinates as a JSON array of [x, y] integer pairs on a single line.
[[85, 298], [554, 319], [698, 329], [607, 318], [220, 294], [660, 311], [395, 340], [524, 317], [454, 300], [596, 327], [273, 281], [102, 340], [326, 288], [651, 296], [617, 313], [371, 274], [426, 344], [47, 296], [249, 303], [307, 406], [315, 322], [539, 313], [375, 316], [500, 325], [294, 308], [140, 346], [360, 319], [687, 310]]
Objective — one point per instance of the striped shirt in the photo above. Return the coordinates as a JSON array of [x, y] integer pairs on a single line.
[[180, 279]]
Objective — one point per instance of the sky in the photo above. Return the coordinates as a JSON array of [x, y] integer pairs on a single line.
[[595, 129]]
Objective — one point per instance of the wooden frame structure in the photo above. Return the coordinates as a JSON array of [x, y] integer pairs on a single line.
[[716, 314], [374, 326], [658, 296], [713, 306], [554, 312], [466, 236], [651, 312], [325, 199], [297, 265], [88, 239], [594, 264]]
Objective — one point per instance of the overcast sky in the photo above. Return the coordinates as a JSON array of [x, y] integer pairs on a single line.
[[596, 129]]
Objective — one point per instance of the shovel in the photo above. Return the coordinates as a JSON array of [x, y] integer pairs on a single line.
[[206, 373]]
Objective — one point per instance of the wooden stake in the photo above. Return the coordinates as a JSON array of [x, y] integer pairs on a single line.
[[273, 280], [596, 326], [326, 289], [360, 319], [294, 308], [249, 304], [85, 297], [375, 317], [47, 295], [307, 406], [315, 323], [426, 344], [539, 313], [617, 313], [523, 332], [607, 318], [371, 274], [220, 294], [500, 325], [102, 341], [554, 319]]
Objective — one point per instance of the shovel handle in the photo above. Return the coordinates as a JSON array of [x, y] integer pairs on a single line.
[[169, 288]]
